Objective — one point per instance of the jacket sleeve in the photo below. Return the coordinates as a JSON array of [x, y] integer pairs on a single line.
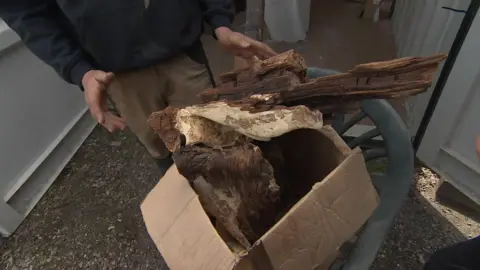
[[48, 34], [217, 13]]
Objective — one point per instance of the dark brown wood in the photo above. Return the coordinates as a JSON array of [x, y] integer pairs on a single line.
[[281, 63], [283, 78], [235, 184], [163, 124]]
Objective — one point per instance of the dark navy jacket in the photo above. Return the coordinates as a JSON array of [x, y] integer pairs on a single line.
[[74, 36]]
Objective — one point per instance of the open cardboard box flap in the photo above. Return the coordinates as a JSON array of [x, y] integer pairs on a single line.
[[339, 201]]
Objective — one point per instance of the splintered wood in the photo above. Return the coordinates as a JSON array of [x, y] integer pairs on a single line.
[[225, 147], [281, 81]]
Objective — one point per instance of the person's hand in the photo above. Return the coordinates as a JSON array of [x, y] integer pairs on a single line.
[[95, 83], [241, 45]]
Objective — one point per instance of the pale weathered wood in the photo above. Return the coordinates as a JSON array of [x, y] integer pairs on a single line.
[[237, 186]]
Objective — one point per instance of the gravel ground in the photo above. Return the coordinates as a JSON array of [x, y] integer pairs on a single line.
[[90, 217], [423, 226]]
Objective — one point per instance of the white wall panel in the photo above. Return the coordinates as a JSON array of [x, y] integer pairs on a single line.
[[424, 27]]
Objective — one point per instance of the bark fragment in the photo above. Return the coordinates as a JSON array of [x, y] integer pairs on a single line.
[[283, 79]]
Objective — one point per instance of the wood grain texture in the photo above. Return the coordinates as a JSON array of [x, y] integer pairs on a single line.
[[281, 80]]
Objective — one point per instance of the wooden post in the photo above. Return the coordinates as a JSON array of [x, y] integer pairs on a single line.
[[254, 19], [372, 9], [253, 27]]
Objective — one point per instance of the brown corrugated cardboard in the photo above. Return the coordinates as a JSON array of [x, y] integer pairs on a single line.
[[338, 197], [180, 228]]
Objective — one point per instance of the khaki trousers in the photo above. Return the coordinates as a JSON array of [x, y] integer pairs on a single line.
[[138, 93]]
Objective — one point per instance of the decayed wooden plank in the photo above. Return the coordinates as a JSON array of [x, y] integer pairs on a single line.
[[288, 61], [281, 80]]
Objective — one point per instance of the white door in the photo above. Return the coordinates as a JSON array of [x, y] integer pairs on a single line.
[[423, 28], [43, 121], [449, 142]]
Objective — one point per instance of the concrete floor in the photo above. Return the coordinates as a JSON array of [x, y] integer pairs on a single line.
[[337, 39]]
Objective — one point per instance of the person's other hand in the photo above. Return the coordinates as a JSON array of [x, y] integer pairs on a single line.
[[241, 45], [95, 83]]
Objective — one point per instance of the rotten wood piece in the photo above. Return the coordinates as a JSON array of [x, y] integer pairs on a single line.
[[226, 147], [229, 160], [281, 80], [235, 184]]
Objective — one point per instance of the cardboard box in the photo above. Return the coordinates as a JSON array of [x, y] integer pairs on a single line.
[[338, 200]]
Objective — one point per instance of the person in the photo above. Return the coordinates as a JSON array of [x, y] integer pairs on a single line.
[[463, 255], [143, 55]]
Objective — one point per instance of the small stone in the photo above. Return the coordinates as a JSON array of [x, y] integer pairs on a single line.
[[116, 143], [421, 259], [353, 239]]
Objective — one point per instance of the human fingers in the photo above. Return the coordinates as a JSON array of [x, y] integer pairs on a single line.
[[117, 122], [262, 49], [93, 98], [103, 77]]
